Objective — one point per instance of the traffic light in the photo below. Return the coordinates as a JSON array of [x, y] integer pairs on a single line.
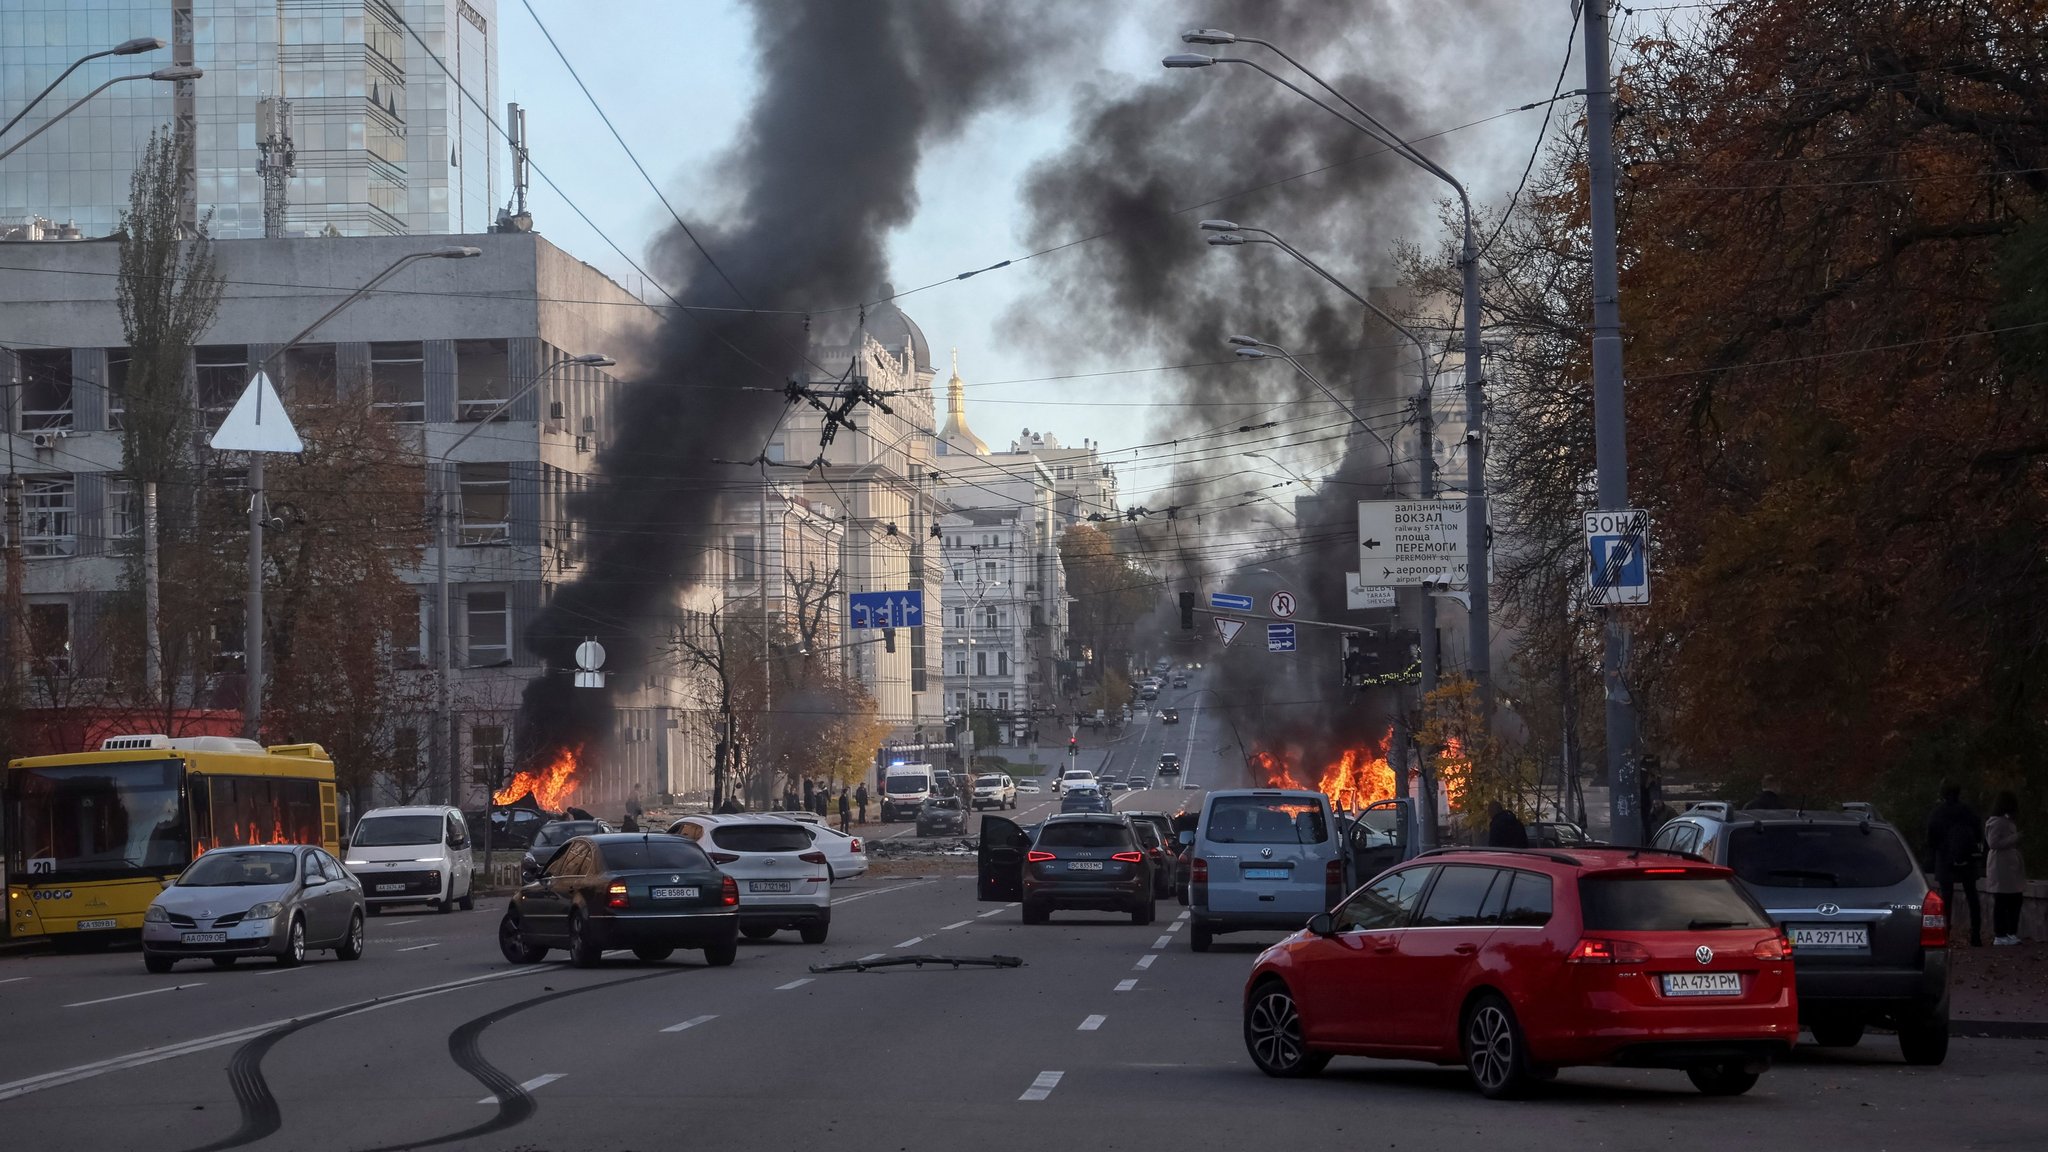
[[888, 639], [1073, 744], [1187, 611]]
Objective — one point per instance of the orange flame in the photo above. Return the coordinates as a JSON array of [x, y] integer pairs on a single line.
[[1356, 778], [551, 786], [1452, 767]]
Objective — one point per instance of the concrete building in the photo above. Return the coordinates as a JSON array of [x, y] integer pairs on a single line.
[[388, 102], [1085, 482]]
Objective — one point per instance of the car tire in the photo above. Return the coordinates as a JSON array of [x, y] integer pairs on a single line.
[[1144, 913], [1272, 1034], [756, 931], [583, 951], [815, 933], [157, 964], [650, 954], [224, 961], [512, 942], [468, 900], [1722, 1079], [350, 947], [723, 953], [373, 909], [445, 906], [1495, 1055], [1200, 938], [1838, 1033], [1036, 913], [1923, 1034], [294, 953]]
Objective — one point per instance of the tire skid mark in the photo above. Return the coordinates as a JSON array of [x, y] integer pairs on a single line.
[[260, 1114]]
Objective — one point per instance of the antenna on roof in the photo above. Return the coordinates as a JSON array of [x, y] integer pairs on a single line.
[[514, 217]]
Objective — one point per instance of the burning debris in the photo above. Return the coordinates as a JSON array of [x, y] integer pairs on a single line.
[[1353, 779], [551, 785]]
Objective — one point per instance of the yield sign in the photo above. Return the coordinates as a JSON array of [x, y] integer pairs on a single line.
[[1227, 628], [257, 422]]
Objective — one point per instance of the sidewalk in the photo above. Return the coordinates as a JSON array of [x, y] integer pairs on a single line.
[[2005, 989]]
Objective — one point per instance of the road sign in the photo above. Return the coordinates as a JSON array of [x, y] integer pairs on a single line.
[[1359, 597], [589, 658], [1405, 543], [1227, 628], [1230, 601], [1617, 556], [257, 422], [1283, 604], [1279, 637], [885, 609]]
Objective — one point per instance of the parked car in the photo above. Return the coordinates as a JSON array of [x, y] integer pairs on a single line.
[[1519, 962], [994, 790], [645, 891], [1169, 716], [510, 827], [1872, 936], [1069, 862], [1557, 834], [942, 816], [1155, 835], [271, 900], [550, 839], [413, 855], [1028, 788], [785, 881], [1263, 859], [795, 814], [845, 856]]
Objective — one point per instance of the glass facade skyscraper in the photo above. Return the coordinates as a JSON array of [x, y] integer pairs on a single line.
[[386, 140]]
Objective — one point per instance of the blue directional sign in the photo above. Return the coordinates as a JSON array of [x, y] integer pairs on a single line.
[[885, 609], [1617, 556], [1230, 601], [1279, 637]]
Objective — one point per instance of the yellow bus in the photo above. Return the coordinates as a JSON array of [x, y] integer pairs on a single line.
[[91, 836]]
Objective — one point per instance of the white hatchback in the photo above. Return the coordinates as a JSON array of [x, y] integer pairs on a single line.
[[785, 879], [845, 856]]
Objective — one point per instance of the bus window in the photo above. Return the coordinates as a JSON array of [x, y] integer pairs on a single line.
[[259, 810], [86, 821]]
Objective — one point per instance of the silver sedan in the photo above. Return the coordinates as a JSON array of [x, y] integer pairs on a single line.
[[261, 900]]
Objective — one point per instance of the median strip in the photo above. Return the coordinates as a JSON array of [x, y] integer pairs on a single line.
[[1043, 1086]]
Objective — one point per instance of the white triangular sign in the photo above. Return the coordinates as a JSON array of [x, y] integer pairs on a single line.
[[1227, 628], [257, 422]]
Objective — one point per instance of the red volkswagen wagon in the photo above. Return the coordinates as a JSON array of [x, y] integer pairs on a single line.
[[1516, 963]]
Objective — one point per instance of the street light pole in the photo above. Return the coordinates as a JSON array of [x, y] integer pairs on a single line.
[[174, 73], [126, 48]]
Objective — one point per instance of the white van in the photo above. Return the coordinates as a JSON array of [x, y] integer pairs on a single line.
[[905, 788], [417, 855]]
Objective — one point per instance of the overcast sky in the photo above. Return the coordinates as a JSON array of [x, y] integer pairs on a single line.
[[677, 77]]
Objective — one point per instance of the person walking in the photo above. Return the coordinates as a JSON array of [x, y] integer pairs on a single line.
[[808, 797], [2005, 870], [860, 800], [1505, 829], [845, 811], [634, 811], [1953, 838]]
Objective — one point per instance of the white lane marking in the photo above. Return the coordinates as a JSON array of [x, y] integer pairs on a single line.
[[1126, 985], [877, 892], [1014, 904], [1091, 1024], [1183, 916], [530, 1085], [1174, 927], [73, 1075], [133, 995], [873, 956], [13, 980], [913, 940], [692, 1022], [792, 984], [417, 947], [399, 923], [276, 971], [956, 924], [1145, 961], [1043, 1086], [1163, 941], [983, 916]]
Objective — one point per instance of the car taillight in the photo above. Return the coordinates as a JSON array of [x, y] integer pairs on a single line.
[[728, 892], [1198, 871], [1592, 951], [812, 857], [1933, 921], [1333, 883], [615, 893], [1129, 857], [1777, 947], [723, 857], [1036, 857], [856, 845]]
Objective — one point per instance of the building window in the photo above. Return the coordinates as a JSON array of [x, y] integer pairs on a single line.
[[49, 638], [960, 701], [486, 502], [981, 701], [483, 378], [487, 751], [988, 616], [118, 362], [776, 452], [398, 381], [405, 751], [490, 629], [988, 571], [1002, 701], [981, 663], [409, 644], [960, 664], [743, 558], [959, 574], [124, 510], [918, 678], [959, 617], [45, 389], [49, 516], [1002, 663], [311, 375], [221, 372]]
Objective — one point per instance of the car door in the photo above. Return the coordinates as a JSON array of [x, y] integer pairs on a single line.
[[316, 900], [460, 863], [545, 902], [345, 893], [1438, 955], [1343, 998], [999, 864], [1376, 841]]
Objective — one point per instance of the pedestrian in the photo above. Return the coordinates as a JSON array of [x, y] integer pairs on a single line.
[[630, 824], [1953, 839], [634, 810], [845, 811], [730, 805], [1505, 829], [1767, 796], [860, 799], [821, 799], [807, 794], [2005, 871]]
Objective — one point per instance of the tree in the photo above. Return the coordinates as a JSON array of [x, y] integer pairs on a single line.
[[167, 290], [1111, 593]]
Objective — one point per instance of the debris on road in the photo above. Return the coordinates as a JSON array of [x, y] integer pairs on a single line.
[[921, 961]]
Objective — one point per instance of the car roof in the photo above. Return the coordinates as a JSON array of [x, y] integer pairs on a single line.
[[1298, 793], [1084, 818], [1577, 860], [1792, 816], [630, 837], [409, 810]]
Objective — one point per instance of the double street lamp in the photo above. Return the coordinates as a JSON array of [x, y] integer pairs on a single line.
[[174, 73], [133, 47]]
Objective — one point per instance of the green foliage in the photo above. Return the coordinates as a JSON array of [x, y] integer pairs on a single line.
[[168, 291]]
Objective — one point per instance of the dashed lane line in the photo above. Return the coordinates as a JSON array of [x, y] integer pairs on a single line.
[[418, 947], [792, 984], [1145, 961], [692, 1022], [1091, 1024], [983, 916], [1126, 985], [399, 923], [1043, 1086], [530, 1085], [133, 995], [956, 924], [19, 979], [877, 892], [912, 942], [1163, 941], [873, 956], [1183, 915]]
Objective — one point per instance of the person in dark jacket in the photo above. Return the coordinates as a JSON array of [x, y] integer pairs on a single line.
[[1954, 835], [860, 800], [809, 806], [1767, 796], [845, 811], [1505, 829]]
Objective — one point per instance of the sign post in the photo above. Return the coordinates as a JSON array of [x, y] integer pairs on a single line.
[[1407, 543], [867, 610], [1360, 597]]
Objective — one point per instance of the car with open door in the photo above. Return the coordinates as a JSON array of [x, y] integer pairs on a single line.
[[1381, 835], [999, 861], [1090, 862]]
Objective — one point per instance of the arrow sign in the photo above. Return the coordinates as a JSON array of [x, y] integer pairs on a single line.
[[1228, 629], [257, 422], [1230, 601], [1279, 637], [1368, 542], [885, 609]]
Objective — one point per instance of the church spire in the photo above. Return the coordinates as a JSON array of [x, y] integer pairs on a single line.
[[956, 438]]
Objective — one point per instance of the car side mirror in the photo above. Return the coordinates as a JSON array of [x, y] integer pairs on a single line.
[[1185, 839], [1321, 924]]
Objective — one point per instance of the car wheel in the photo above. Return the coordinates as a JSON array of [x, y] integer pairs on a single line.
[[445, 906], [294, 945], [1035, 913], [373, 909], [583, 951], [1494, 1053], [512, 942], [1722, 1079], [649, 954], [1923, 1034], [351, 946], [469, 896], [1272, 1034], [815, 933], [1200, 938], [1143, 913], [723, 953], [1838, 1033], [157, 964], [756, 931], [224, 961]]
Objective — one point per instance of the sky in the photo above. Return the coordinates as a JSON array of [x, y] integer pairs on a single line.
[[676, 78]]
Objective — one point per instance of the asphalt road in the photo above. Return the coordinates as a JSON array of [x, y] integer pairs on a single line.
[[1110, 1036]]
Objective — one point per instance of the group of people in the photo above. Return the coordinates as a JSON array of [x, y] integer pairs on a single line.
[[1956, 841]]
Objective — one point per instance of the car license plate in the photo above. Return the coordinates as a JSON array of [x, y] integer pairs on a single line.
[[768, 886], [204, 938], [88, 925], [1703, 984], [1846, 936], [1084, 865], [675, 893], [390, 887], [1265, 873]]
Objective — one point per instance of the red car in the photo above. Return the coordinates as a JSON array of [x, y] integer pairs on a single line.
[[1516, 963]]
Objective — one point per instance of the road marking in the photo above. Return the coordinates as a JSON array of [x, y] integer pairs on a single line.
[[983, 916], [877, 892], [1043, 1086], [276, 971], [399, 923], [873, 956], [1091, 1024], [1126, 985], [1014, 904], [1183, 916], [913, 940], [692, 1022], [13, 980], [1174, 927], [1163, 941], [1145, 961], [792, 984], [956, 924], [133, 995], [417, 947], [530, 1085]]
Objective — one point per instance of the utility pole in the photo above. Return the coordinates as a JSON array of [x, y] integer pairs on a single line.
[[761, 570], [1426, 490], [252, 612], [1610, 427], [1480, 571], [17, 617], [443, 739]]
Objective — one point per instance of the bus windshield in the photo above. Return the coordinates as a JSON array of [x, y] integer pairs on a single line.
[[95, 821]]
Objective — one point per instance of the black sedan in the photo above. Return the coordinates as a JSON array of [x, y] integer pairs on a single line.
[[1092, 862], [550, 839], [646, 891], [942, 816]]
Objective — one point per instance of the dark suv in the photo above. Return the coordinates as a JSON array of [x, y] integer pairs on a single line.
[[1871, 938], [1088, 862]]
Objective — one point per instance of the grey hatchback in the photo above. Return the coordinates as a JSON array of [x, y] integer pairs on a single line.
[[1870, 937]]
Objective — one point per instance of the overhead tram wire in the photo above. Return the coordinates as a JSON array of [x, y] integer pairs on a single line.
[[1536, 149]]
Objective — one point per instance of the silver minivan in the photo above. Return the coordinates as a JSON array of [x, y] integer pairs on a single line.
[[1263, 859]]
